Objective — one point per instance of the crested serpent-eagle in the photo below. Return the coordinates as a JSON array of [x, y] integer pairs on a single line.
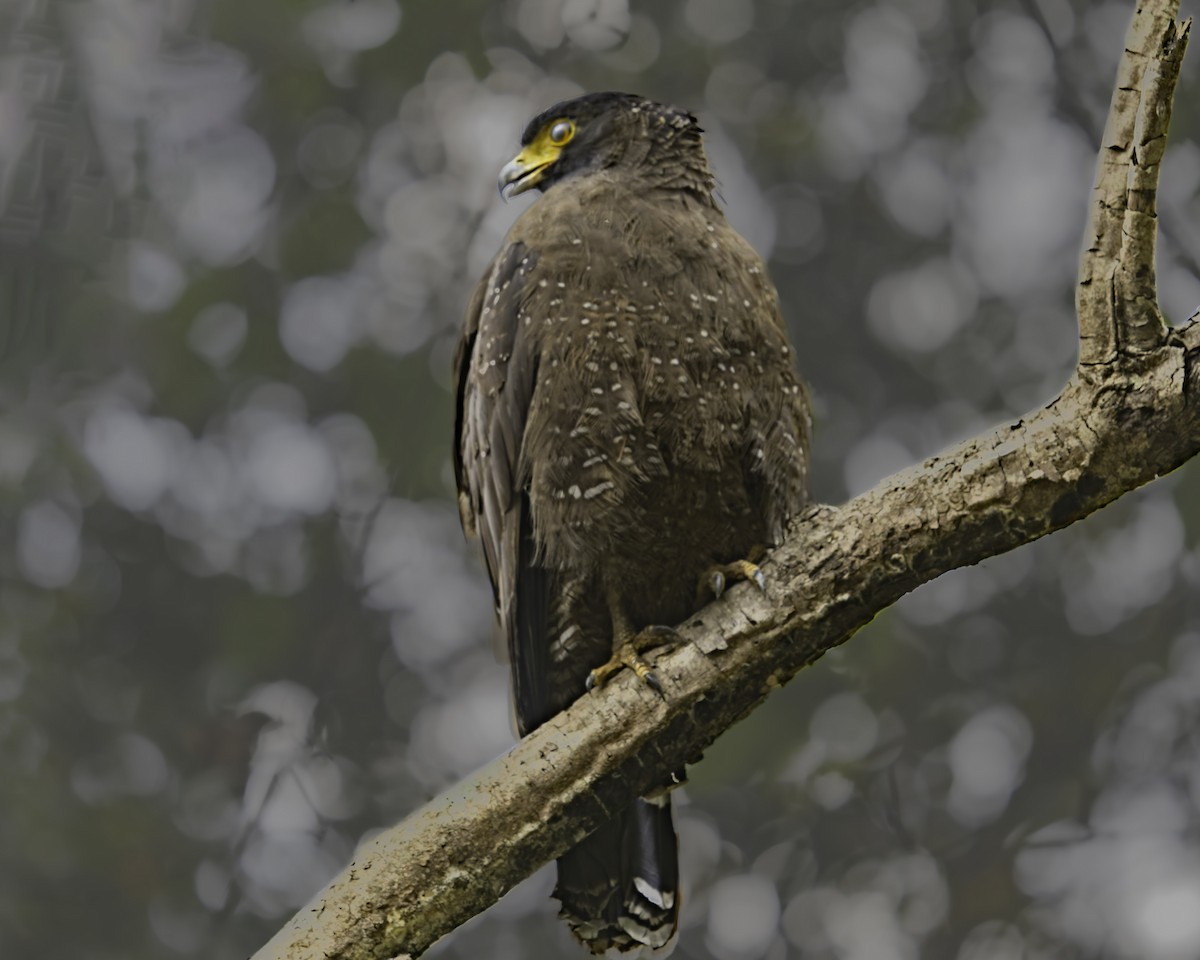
[[630, 431]]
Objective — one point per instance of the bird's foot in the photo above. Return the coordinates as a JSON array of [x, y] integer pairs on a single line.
[[716, 578], [629, 654]]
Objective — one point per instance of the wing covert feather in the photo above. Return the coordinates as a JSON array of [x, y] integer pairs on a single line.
[[496, 368]]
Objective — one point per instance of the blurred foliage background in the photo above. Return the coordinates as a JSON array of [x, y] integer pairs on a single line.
[[239, 626]]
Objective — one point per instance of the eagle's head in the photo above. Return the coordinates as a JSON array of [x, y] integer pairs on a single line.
[[601, 131]]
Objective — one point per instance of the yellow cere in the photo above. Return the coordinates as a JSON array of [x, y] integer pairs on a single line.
[[524, 171], [546, 146]]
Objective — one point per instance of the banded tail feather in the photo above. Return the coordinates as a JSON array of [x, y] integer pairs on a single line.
[[619, 888]]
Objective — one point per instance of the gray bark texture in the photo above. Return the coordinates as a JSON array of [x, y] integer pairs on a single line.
[[1129, 414]]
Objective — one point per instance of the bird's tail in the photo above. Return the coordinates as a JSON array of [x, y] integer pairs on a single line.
[[619, 888]]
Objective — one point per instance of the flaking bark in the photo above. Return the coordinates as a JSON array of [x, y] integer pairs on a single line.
[[1129, 415]]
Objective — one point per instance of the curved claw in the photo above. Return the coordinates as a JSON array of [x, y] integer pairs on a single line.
[[715, 580], [628, 654]]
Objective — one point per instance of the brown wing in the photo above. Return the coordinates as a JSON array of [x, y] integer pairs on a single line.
[[496, 371]]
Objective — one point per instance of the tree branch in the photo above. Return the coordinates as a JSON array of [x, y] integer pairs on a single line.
[[1129, 415], [1117, 301]]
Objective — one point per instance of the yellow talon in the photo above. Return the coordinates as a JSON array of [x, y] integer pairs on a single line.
[[715, 579], [629, 654]]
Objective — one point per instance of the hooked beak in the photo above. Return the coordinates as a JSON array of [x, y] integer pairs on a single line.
[[521, 173]]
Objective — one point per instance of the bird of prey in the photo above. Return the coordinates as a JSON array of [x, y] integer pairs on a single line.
[[630, 431]]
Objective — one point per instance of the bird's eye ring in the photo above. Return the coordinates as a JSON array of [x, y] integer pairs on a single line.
[[561, 132]]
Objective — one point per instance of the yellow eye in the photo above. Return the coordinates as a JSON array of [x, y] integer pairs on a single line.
[[561, 132]]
